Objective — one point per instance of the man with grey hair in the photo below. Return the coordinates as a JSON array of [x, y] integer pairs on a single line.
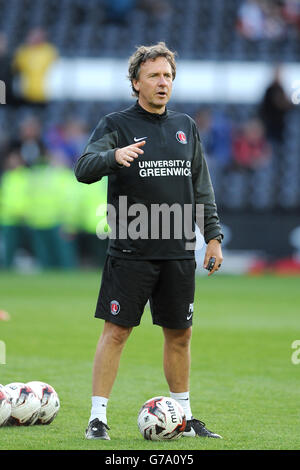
[[153, 157]]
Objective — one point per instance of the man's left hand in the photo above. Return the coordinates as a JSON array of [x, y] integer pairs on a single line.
[[213, 249]]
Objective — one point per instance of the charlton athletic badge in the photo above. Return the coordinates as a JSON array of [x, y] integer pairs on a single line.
[[114, 307], [181, 137]]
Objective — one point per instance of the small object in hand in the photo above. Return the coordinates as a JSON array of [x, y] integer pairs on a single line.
[[211, 263]]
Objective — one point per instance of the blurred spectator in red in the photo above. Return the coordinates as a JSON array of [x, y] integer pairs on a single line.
[[13, 205], [251, 149], [274, 107], [31, 64], [117, 11]]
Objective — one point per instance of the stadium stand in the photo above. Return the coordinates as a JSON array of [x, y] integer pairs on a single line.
[[197, 30]]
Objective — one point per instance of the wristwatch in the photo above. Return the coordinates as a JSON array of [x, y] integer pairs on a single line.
[[219, 238]]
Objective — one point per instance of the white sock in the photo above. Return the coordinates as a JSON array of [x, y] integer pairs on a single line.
[[98, 410], [184, 400]]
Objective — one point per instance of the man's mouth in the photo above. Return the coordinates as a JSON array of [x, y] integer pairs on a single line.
[[163, 94]]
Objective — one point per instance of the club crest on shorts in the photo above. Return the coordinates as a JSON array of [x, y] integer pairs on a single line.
[[114, 307], [181, 137]]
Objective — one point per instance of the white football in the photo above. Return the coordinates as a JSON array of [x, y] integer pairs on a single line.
[[25, 405], [50, 403], [161, 418], [5, 406]]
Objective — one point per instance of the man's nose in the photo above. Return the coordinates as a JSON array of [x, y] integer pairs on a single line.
[[162, 80]]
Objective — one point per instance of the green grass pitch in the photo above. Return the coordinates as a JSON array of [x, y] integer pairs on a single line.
[[243, 382]]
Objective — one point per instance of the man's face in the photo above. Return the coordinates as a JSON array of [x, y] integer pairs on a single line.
[[154, 84]]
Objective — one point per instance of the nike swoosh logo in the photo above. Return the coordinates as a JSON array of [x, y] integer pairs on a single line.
[[189, 316], [139, 139]]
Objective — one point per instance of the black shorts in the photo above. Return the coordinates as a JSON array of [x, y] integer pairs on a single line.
[[127, 285]]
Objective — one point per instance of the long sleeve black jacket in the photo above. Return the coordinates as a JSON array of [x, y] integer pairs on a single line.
[[171, 172]]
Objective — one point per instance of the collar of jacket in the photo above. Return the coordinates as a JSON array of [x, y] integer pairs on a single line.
[[152, 116]]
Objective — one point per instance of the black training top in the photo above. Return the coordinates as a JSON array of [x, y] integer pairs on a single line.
[[170, 178]]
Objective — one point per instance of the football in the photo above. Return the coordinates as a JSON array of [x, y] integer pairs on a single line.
[[49, 401], [161, 418], [5, 406], [25, 405]]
